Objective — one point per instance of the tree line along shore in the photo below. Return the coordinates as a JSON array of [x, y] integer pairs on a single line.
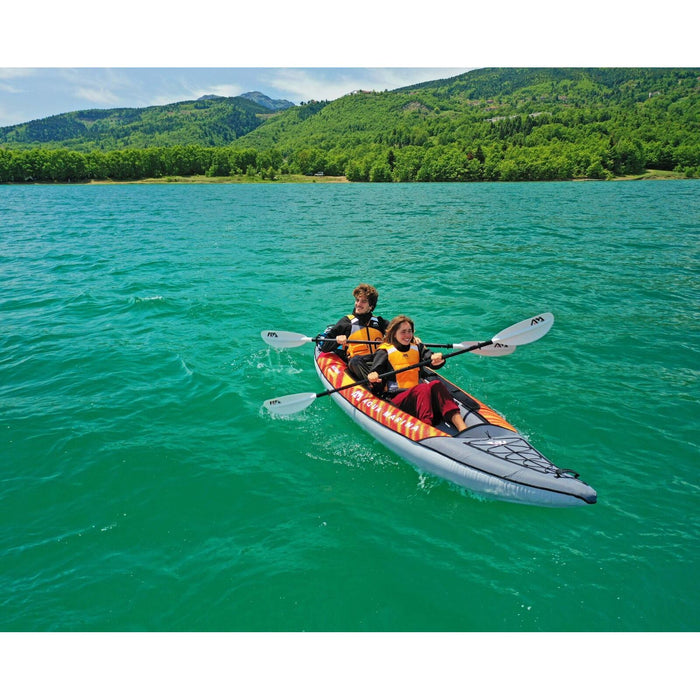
[[545, 162]]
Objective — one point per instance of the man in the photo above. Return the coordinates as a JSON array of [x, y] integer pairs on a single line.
[[361, 324]]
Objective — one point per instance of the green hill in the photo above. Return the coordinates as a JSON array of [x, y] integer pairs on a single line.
[[487, 124], [208, 121], [499, 123]]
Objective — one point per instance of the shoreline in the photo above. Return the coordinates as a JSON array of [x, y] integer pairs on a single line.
[[224, 179], [326, 179]]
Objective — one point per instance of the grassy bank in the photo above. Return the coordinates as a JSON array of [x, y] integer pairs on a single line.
[[655, 175], [244, 179], [304, 179]]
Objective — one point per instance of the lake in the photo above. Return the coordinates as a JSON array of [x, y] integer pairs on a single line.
[[145, 489]]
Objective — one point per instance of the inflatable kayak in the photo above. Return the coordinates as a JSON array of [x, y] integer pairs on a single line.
[[489, 458]]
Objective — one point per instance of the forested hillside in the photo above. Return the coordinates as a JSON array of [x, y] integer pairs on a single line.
[[488, 124], [208, 121], [501, 124]]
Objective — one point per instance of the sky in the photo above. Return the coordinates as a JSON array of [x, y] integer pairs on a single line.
[[78, 54], [34, 93]]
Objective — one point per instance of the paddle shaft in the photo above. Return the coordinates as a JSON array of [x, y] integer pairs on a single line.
[[322, 339], [423, 363], [521, 333]]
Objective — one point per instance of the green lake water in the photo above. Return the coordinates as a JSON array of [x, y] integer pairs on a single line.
[[143, 488]]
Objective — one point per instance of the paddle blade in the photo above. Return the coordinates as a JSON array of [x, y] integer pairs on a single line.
[[495, 350], [526, 331], [292, 403], [285, 339]]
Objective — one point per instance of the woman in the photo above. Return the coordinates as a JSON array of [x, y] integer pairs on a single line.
[[429, 402]]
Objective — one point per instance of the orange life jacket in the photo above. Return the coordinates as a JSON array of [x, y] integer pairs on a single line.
[[360, 332], [399, 360]]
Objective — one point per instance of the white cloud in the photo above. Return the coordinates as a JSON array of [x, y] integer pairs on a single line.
[[300, 84], [391, 78], [181, 91], [15, 73], [99, 96], [6, 87], [229, 90]]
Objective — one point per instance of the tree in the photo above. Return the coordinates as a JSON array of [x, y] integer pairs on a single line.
[[220, 163], [407, 164], [380, 172], [241, 161], [627, 157], [308, 161], [354, 172], [596, 171], [8, 165]]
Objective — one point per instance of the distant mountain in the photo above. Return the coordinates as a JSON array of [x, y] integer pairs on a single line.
[[258, 98], [265, 101], [208, 121]]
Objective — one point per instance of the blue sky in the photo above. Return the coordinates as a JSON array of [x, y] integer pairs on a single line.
[[78, 54], [33, 93]]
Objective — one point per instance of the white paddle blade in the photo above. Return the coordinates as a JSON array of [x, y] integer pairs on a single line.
[[526, 331], [494, 350], [285, 339], [292, 403]]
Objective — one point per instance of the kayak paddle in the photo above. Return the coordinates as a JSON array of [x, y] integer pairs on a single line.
[[287, 339], [521, 333]]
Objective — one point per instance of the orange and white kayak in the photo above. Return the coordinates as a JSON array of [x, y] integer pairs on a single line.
[[489, 458]]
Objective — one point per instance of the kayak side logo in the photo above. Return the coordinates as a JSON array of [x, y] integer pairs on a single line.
[[392, 417]]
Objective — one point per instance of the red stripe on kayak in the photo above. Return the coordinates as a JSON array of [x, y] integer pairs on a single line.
[[383, 412], [334, 370]]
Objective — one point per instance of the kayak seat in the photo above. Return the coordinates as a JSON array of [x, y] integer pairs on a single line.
[[457, 394]]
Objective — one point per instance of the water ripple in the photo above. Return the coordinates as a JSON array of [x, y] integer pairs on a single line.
[[144, 487]]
